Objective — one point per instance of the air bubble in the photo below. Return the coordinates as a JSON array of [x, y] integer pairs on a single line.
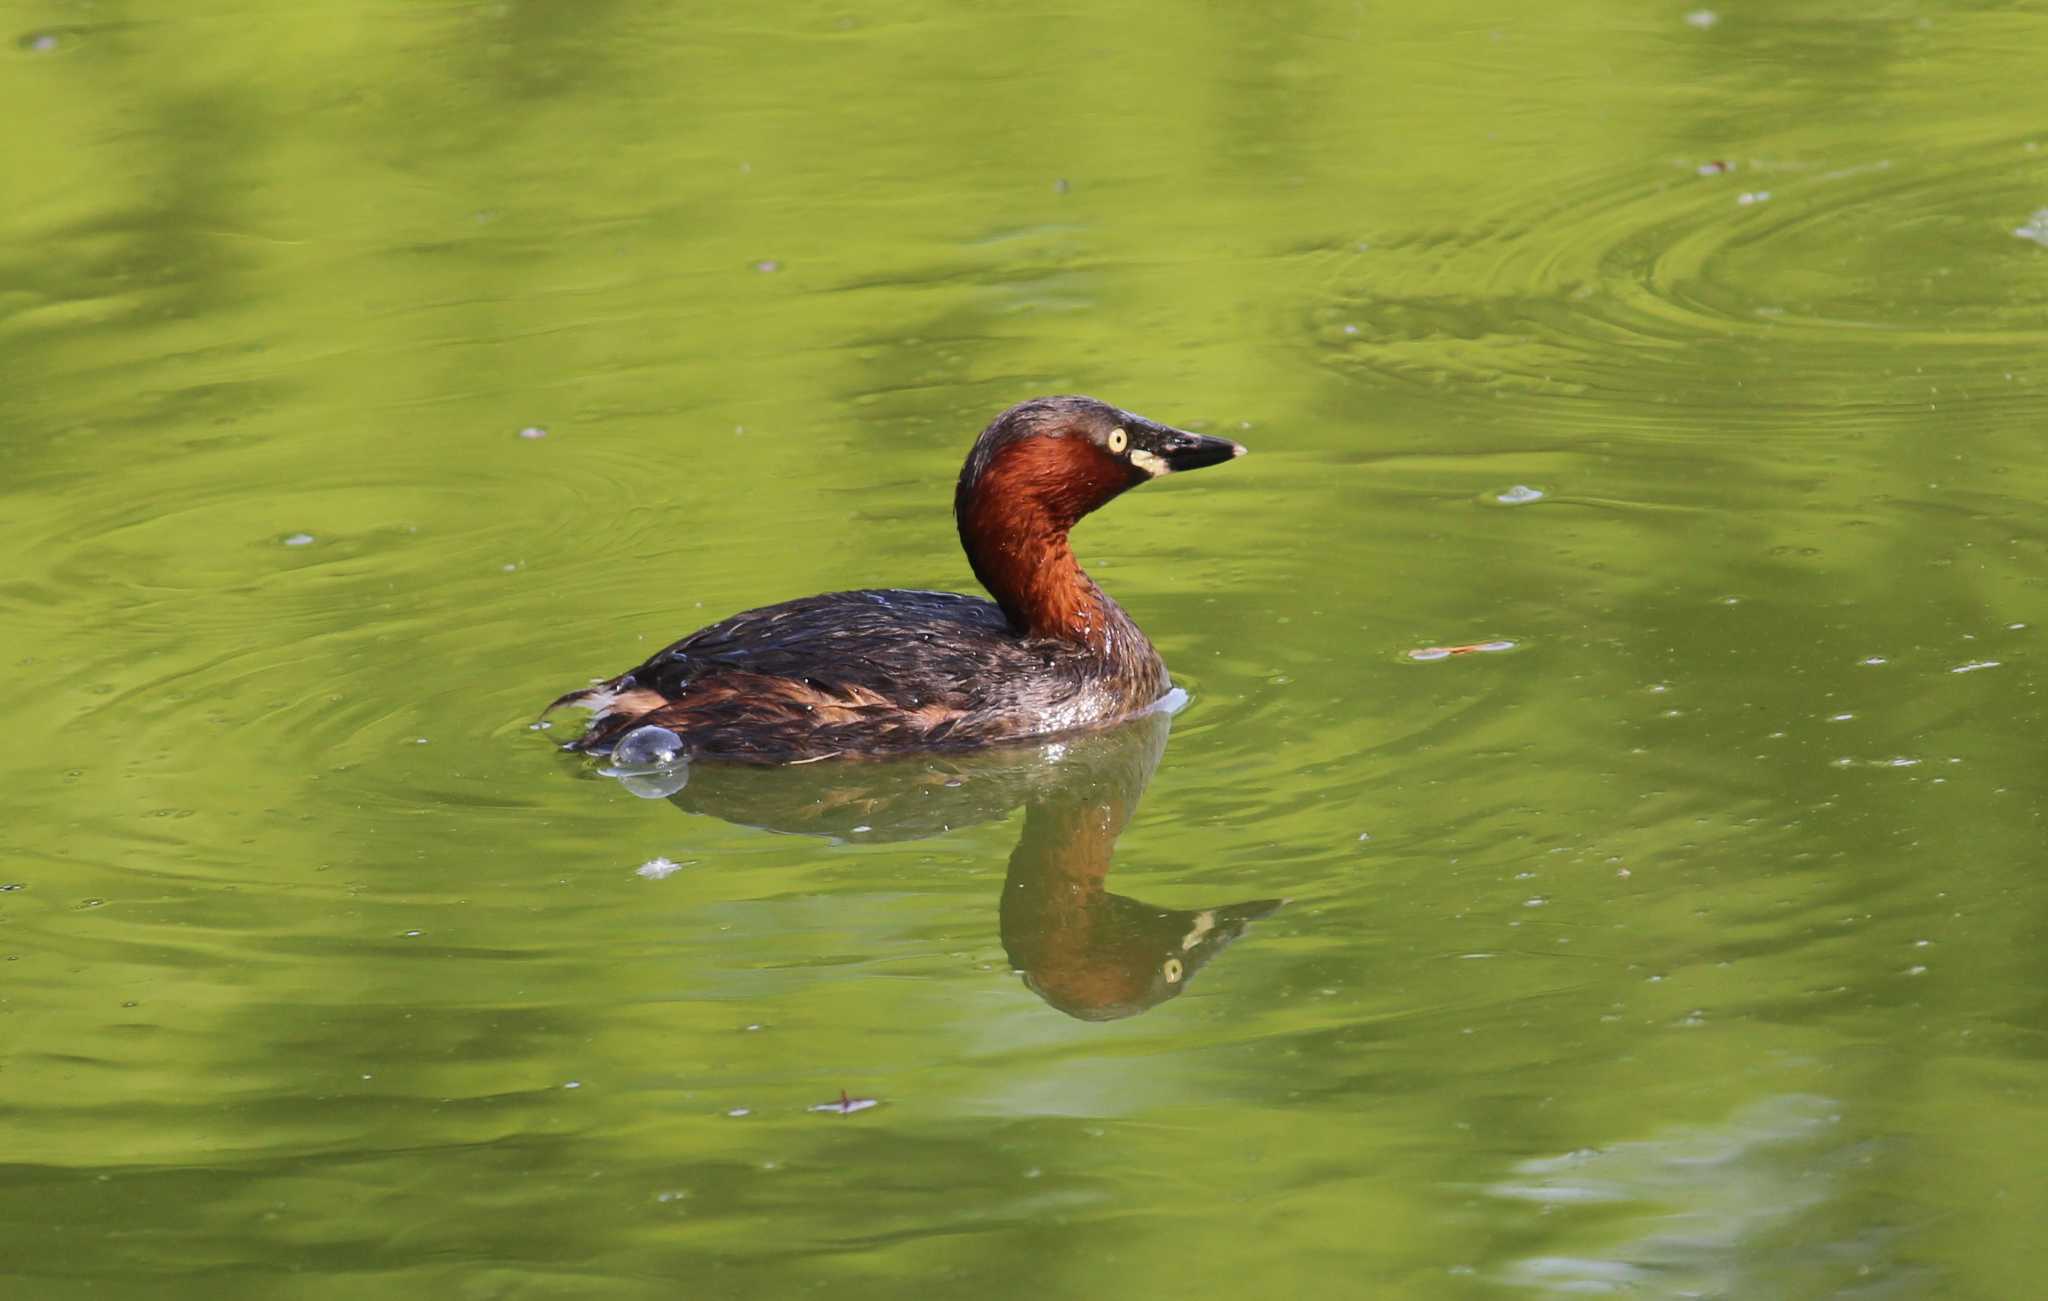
[[652, 746]]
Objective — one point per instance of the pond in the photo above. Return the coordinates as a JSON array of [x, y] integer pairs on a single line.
[[375, 373]]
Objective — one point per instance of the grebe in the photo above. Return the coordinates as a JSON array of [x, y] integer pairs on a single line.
[[879, 672]]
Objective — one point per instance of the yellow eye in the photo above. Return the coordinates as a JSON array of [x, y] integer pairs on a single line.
[[1118, 441], [1173, 969]]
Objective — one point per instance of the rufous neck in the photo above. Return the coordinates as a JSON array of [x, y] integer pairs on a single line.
[[1020, 553]]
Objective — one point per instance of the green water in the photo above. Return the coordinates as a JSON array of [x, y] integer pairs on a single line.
[[1693, 947]]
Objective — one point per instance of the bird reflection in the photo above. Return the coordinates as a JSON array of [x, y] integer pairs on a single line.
[[1090, 953]]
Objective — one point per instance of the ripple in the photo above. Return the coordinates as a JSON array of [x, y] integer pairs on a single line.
[[1773, 282]]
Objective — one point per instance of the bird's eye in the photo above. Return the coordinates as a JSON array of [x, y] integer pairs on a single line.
[[1173, 968], [1118, 441]]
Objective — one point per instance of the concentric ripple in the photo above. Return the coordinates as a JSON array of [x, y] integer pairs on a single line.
[[1779, 283]]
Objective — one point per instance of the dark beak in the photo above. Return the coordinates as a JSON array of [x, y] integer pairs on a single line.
[[1177, 449]]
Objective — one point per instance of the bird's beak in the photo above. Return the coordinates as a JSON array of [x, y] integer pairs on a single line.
[[1162, 449]]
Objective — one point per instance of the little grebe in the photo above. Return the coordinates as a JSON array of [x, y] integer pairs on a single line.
[[876, 672]]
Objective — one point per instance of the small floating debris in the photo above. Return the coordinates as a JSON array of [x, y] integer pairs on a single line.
[[2036, 228], [737, 1112], [1714, 167], [1748, 197], [299, 540], [1445, 652], [40, 42], [845, 1106], [1703, 19], [655, 869], [1520, 495], [1974, 665], [532, 432], [768, 266]]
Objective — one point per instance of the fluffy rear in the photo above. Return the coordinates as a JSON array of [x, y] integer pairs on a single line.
[[616, 708]]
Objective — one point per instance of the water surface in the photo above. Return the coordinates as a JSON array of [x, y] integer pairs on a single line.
[[1691, 947]]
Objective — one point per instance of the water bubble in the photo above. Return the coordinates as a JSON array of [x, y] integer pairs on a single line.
[[1519, 495], [654, 869], [2036, 228], [299, 540], [1703, 19], [652, 746], [1748, 197], [533, 432], [767, 266], [40, 43], [655, 783]]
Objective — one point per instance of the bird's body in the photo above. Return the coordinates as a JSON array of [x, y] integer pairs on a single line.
[[884, 671]]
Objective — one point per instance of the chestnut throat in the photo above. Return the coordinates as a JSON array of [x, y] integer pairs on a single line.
[[1014, 520]]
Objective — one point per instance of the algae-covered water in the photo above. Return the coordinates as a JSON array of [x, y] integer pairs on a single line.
[[373, 373]]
